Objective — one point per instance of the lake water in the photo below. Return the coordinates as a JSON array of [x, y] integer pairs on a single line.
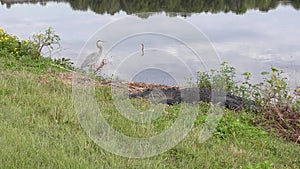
[[250, 37]]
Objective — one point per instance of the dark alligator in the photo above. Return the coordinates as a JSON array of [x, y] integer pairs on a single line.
[[174, 95]]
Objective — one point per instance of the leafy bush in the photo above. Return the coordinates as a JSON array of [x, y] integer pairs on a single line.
[[221, 80], [279, 107], [48, 40], [273, 90], [11, 46], [27, 53]]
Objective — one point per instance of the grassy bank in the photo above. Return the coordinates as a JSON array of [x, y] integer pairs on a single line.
[[39, 128]]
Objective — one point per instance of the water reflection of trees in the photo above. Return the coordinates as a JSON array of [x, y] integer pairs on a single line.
[[180, 6]]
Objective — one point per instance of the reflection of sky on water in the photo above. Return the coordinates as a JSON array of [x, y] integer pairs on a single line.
[[250, 42], [166, 47], [254, 41]]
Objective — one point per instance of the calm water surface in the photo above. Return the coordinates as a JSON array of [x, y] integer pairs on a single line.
[[248, 38]]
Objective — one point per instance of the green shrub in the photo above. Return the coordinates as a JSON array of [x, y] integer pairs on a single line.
[[272, 91], [23, 54], [46, 40], [11, 46], [220, 80]]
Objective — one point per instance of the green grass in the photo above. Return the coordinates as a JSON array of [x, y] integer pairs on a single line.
[[39, 129]]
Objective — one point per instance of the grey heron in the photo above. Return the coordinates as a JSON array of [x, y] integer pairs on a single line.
[[92, 58]]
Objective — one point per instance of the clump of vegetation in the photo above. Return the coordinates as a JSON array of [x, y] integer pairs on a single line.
[[221, 80], [46, 40], [279, 106], [11, 46], [20, 53]]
